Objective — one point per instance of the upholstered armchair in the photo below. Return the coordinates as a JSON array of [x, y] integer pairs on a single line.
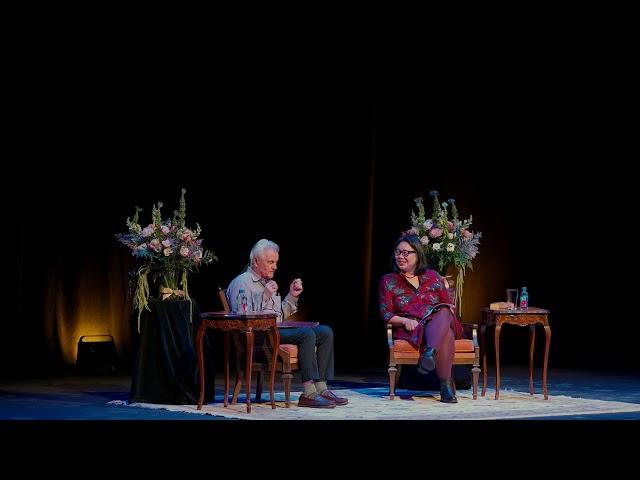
[[401, 352], [467, 352], [287, 362]]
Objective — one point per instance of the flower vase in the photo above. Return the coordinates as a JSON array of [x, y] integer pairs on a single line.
[[455, 279], [169, 287], [449, 275]]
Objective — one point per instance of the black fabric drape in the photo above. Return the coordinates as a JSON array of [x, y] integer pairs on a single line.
[[166, 367]]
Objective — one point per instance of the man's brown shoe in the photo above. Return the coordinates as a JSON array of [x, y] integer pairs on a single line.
[[315, 401], [329, 395]]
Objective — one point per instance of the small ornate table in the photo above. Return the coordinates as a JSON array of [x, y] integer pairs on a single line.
[[245, 323], [530, 316]]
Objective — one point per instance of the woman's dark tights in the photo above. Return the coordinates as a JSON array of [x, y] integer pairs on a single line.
[[438, 334]]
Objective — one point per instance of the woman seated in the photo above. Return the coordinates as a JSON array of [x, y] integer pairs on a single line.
[[415, 302]]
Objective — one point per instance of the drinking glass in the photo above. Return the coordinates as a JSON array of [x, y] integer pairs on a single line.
[[254, 303], [512, 297]]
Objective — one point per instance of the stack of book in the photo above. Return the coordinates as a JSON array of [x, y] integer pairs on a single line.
[[501, 306]]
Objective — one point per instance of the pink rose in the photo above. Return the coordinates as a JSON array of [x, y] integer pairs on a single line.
[[164, 229], [147, 231], [184, 251], [435, 232], [466, 234], [424, 240], [450, 226]]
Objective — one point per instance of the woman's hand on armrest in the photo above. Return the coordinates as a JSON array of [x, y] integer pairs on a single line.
[[408, 323]]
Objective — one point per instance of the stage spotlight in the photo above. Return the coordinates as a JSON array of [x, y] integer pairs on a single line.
[[96, 354]]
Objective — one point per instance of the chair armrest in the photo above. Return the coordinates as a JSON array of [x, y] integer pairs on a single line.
[[390, 336], [475, 335], [284, 354]]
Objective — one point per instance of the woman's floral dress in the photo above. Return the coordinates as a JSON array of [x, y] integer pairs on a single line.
[[399, 297]]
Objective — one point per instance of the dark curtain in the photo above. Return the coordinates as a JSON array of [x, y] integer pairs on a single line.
[[328, 168]]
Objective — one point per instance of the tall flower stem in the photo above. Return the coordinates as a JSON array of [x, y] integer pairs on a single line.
[[459, 286], [141, 296]]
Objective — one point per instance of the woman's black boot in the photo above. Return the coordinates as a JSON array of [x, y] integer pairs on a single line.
[[428, 361], [446, 392]]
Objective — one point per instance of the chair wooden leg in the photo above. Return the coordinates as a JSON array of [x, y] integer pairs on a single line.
[[236, 388], [475, 371], [392, 381], [286, 380], [259, 386]]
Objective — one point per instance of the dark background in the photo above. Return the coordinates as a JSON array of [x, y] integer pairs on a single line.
[[324, 155]]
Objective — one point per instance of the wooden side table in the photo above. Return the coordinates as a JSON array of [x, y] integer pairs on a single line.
[[529, 317], [244, 323]]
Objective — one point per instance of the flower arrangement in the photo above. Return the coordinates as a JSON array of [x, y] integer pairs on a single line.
[[446, 241], [165, 249]]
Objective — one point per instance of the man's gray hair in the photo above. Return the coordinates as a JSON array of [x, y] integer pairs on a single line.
[[261, 246]]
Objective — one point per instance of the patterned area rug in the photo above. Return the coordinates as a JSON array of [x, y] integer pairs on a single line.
[[374, 404]]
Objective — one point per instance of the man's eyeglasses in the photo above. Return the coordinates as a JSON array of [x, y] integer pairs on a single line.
[[404, 253]]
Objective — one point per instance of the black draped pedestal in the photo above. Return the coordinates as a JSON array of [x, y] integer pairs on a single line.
[[166, 366]]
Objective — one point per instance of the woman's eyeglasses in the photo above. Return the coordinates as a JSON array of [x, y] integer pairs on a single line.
[[404, 253]]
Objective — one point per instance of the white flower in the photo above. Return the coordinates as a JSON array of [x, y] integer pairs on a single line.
[[428, 224], [424, 240], [450, 247], [436, 246], [184, 251], [155, 245], [450, 235], [167, 251], [164, 229]]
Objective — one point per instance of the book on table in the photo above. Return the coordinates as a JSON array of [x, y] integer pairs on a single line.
[[296, 324]]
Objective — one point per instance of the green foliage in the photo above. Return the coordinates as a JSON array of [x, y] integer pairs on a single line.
[[167, 251], [446, 241]]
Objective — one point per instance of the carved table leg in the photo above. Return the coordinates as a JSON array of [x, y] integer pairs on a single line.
[[547, 336], [247, 375], [497, 343], [199, 339], [532, 340], [483, 349], [226, 368]]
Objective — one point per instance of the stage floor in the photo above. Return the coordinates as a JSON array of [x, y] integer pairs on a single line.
[[75, 397]]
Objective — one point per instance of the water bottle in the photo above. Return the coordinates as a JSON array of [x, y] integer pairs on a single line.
[[524, 299], [241, 302]]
